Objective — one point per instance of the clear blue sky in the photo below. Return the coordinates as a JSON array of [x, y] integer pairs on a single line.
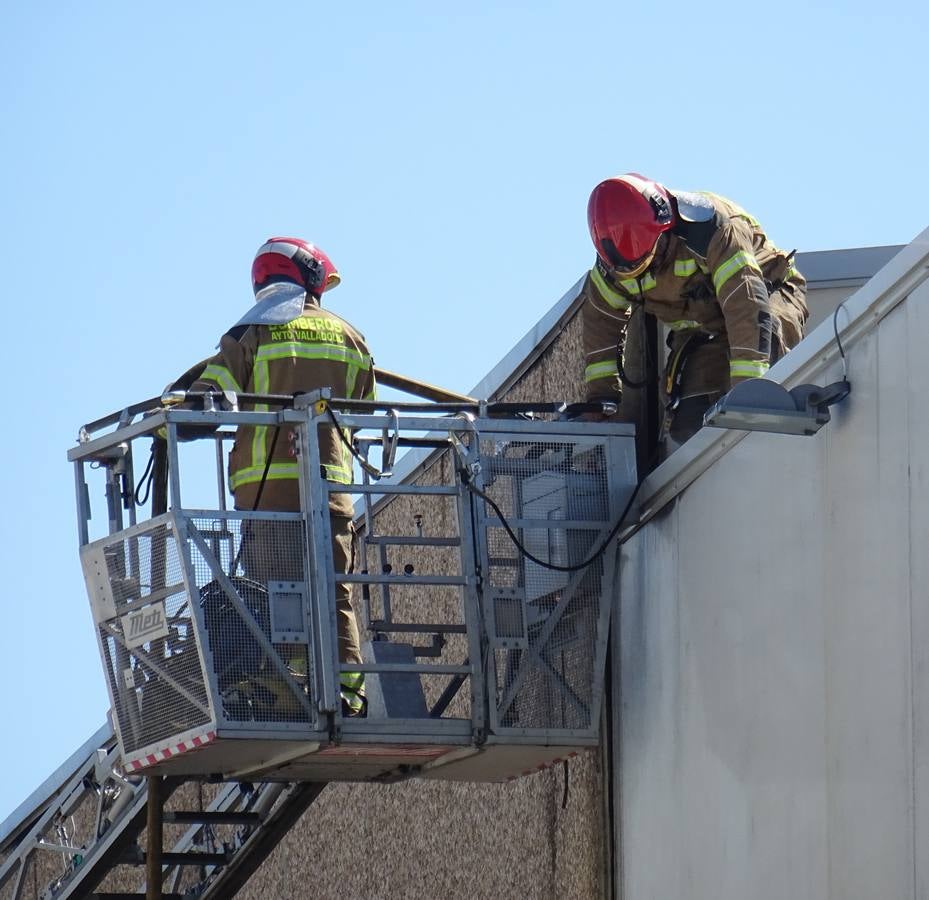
[[443, 158]]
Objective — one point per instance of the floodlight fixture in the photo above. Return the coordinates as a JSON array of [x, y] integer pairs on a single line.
[[762, 405]]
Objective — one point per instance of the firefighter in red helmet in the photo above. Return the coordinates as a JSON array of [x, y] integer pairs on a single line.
[[732, 302], [287, 344]]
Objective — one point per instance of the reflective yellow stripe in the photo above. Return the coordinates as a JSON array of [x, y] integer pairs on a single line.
[[338, 474], [301, 350], [600, 370], [748, 368], [353, 689], [614, 299], [222, 376], [737, 261], [683, 324], [632, 284], [251, 474], [794, 272], [282, 471], [683, 268], [351, 377], [262, 381], [354, 681]]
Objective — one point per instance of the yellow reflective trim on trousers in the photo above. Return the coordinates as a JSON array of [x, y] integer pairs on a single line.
[[302, 350], [353, 690], [683, 324], [632, 284], [352, 680], [741, 260], [748, 368], [613, 298], [338, 474], [600, 370], [684, 268], [251, 474], [222, 376], [352, 686]]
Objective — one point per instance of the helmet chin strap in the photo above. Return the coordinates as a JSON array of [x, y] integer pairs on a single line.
[[645, 262]]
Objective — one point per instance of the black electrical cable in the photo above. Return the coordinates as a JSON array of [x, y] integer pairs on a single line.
[[490, 502], [374, 472], [147, 478], [540, 562], [261, 487], [838, 340]]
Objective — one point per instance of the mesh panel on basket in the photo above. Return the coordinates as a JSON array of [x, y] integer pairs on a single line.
[[537, 485], [150, 647], [251, 687]]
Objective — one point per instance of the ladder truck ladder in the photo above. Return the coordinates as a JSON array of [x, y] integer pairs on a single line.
[[70, 843]]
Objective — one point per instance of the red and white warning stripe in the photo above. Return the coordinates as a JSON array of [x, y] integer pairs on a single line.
[[160, 754]]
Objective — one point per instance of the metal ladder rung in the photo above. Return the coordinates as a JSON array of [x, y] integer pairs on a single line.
[[207, 817], [398, 540], [410, 490], [400, 579]]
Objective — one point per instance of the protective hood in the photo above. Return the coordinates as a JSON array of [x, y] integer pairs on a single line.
[[275, 304]]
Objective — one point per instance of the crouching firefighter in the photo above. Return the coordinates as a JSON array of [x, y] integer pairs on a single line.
[[732, 302], [287, 344]]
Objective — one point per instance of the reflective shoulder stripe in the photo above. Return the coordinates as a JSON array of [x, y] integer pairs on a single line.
[[613, 298], [748, 368], [742, 259], [684, 268], [632, 284], [683, 324], [600, 370], [222, 376]]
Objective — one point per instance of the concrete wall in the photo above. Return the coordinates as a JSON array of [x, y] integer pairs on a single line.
[[773, 679]]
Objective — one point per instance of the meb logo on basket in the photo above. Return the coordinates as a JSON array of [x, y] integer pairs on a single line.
[[144, 625]]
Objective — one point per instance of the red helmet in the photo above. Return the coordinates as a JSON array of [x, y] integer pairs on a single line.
[[626, 216], [295, 260]]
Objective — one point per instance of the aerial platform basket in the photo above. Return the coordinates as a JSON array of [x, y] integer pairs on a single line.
[[217, 627]]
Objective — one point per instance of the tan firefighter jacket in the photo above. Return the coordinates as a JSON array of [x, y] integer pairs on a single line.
[[316, 350], [715, 271]]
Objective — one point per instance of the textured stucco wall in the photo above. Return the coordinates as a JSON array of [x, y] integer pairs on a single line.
[[435, 839]]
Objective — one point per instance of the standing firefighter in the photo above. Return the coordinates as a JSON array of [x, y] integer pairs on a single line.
[[287, 344], [732, 301]]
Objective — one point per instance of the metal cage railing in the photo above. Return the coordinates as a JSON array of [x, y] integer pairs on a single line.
[[483, 577]]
